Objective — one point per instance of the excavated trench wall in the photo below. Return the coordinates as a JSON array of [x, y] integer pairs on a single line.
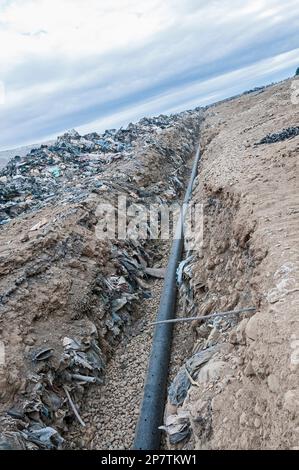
[[241, 391]]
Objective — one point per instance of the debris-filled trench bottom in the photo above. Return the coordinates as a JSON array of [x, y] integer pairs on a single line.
[[117, 414], [111, 410]]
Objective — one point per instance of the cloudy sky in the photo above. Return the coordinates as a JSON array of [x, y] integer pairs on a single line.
[[95, 64]]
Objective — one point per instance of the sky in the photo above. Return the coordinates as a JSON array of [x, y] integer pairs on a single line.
[[97, 64]]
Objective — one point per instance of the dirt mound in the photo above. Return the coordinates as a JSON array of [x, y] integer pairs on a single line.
[[246, 395]]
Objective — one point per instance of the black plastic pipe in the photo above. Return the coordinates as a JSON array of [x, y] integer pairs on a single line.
[[147, 435]]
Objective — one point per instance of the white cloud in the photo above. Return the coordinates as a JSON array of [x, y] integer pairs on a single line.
[[72, 63], [78, 27]]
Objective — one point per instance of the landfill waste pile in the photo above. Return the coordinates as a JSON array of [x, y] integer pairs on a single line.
[[72, 166], [66, 295], [7, 155]]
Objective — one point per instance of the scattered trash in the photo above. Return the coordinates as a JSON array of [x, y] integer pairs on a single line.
[[12, 441], [55, 171], [47, 438], [185, 283], [50, 389]]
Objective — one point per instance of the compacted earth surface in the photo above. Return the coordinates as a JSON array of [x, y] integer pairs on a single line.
[[76, 306]]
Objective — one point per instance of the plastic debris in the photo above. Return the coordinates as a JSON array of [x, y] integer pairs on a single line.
[[155, 272], [185, 283], [55, 171], [47, 173], [179, 387], [39, 225], [184, 269], [47, 438], [42, 355]]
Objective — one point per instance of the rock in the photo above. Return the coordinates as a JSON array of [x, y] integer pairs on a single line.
[[213, 337], [180, 385], [252, 328], [274, 295], [233, 337], [257, 423], [30, 340], [213, 370], [243, 419], [216, 403], [39, 225], [291, 402], [177, 427], [249, 371], [25, 238], [260, 407], [203, 331], [273, 383]]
